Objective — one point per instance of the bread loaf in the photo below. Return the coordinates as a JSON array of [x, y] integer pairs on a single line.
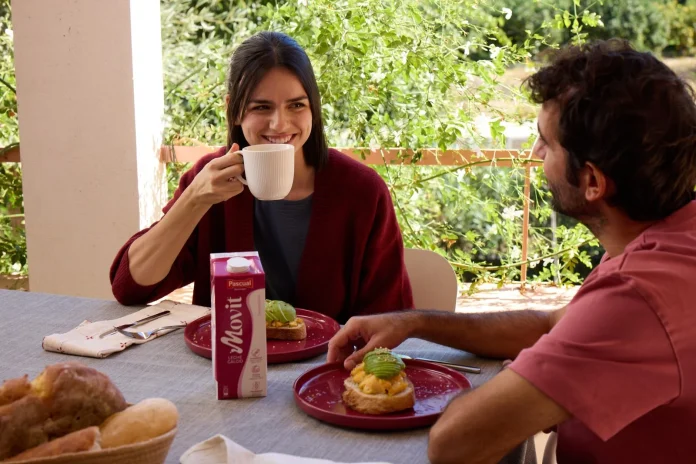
[[146, 420], [64, 398]]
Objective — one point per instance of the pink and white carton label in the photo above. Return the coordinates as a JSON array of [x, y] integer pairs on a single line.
[[238, 297]]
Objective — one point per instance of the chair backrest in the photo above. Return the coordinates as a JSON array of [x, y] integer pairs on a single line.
[[433, 280], [550, 449]]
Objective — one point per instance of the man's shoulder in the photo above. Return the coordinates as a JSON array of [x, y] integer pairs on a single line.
[[660, 266]]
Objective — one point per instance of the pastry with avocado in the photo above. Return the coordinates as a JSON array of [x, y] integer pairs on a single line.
[[379, 384], [282, 322]]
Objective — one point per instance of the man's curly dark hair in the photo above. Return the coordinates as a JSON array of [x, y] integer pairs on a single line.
[[631, 116]]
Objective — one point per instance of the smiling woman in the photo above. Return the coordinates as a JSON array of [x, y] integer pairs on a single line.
[[333, 245]]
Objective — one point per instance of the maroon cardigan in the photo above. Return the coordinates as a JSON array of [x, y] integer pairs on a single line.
[[352, 264]]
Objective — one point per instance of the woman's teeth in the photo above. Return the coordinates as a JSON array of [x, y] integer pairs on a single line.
[[285, 139]]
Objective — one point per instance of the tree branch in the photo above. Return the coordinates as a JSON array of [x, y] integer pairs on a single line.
[[8, 85]]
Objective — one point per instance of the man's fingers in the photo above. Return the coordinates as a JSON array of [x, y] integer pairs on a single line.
[[340, 345], [355, 358]]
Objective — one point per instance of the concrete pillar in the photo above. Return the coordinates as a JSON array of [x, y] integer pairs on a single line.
[[90, 94]]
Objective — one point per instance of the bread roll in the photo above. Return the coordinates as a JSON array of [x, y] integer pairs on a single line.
[[21, 425], [64, 398], [287, 333], [146, 420], [76, 442], [14, 389]]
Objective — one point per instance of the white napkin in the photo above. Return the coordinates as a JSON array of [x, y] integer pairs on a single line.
[[84, 339], [221, 450]]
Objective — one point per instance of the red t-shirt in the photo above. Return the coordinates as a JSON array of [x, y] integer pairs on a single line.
[[622, 360]]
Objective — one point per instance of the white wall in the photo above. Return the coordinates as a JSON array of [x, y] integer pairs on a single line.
[[89, 85]]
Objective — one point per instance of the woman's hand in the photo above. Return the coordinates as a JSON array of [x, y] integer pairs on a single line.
[[218, 180]]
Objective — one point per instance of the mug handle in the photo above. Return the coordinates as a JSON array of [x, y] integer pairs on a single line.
[[240, 178]]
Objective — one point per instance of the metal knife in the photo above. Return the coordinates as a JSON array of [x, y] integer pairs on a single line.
[[457, 367], [136, 323]]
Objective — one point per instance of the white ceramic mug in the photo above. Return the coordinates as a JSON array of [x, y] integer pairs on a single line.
[[269, 170]]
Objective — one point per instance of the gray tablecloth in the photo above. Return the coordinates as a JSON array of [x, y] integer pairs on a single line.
[[166, 368]]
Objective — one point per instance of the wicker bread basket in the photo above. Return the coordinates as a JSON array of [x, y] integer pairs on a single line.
[[152, 451]]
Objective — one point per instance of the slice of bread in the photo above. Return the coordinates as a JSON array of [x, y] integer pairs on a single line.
[[382, 403], [287, 333]]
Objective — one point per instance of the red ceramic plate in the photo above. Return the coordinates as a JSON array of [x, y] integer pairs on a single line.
[[320, 329], [318, 393]]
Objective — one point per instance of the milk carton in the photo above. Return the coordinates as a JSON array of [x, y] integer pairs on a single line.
[[238, 298]]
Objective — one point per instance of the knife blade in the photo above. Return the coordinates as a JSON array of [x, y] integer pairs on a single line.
[[137, 323], [457, 367]]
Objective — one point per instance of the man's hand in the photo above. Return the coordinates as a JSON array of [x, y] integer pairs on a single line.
[[494, 335], [370, 332]]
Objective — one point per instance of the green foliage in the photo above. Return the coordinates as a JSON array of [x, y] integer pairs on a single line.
[[639, 21], [174, 172], [13, 246], [401, 76], [412, 74], [197, 38], [545, 23], [662, 26], [9, 130], [409, 74], [13, 250], [682, 22]]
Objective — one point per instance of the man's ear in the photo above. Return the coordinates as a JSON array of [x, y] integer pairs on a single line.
[[597, 186]]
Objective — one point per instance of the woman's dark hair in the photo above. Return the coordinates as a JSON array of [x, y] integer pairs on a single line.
[[631, 116], [250, 63]]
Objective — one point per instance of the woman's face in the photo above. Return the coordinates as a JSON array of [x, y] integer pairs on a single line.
[[278, 111]]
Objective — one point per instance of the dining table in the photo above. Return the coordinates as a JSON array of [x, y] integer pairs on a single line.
[[166, 368]]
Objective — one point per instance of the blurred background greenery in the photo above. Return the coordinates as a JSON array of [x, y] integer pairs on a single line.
[[400, 73]]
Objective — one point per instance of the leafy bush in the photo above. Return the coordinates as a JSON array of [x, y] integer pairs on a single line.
[[13, 243], [656, 25], [640, 21], [13, 249], [682, 23], [409, 74]]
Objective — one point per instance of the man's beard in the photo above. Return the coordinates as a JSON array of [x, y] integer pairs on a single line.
[[570, 201]]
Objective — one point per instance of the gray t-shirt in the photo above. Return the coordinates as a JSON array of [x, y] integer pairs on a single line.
[[280, 232]]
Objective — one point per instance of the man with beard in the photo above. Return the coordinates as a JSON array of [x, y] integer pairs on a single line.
[[614, 370]]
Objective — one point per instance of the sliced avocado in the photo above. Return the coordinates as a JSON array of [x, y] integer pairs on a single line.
[[281, 311], [382, 363]]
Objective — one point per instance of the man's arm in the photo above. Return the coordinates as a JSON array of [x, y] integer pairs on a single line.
[[493, 334], [498, 335], [485, 424]]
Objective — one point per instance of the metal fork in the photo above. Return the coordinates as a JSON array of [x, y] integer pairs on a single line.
[[136, 323], [149, 334]]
